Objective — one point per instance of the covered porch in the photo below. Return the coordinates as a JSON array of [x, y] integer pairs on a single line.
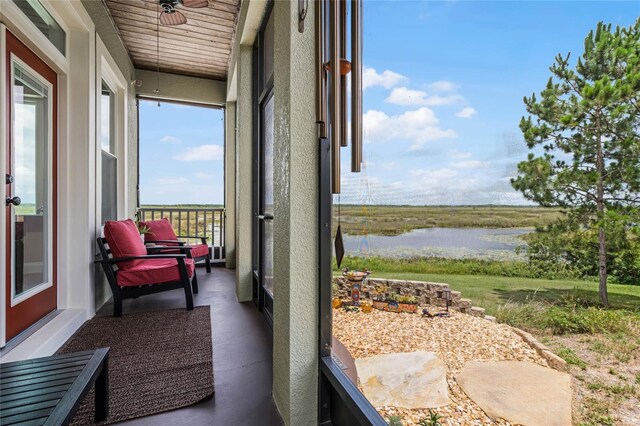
[[255, 60], [242, 356]]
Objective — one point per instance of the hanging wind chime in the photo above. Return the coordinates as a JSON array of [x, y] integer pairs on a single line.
[[332, 67]]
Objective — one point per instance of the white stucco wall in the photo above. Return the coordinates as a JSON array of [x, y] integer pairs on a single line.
[[244, 175], [230, 184], [295, 326], [296, 188]]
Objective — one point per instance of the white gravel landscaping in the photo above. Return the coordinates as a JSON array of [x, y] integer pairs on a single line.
[[456, 340]]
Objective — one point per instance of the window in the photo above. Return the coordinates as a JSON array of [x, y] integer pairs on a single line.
[[107, 112], [43, 20], [109, 154], [31, 152]]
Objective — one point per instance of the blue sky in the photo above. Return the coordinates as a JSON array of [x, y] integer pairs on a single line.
[[444, 83], [181, 154]]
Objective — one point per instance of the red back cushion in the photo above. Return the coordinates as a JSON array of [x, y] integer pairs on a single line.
[[159, 230], [124, 240]]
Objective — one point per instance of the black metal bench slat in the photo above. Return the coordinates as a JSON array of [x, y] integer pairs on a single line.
[[62, 384], [52, 359], [20, 399], [34, 422], [47, 391], [41, 368], [40, 378], [26, 408], [23, 417], [10, 366], [6, 369]]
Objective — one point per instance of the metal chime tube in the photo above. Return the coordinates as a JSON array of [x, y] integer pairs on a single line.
[[344, 110], [356, 85], [334, 60], [321, 80]]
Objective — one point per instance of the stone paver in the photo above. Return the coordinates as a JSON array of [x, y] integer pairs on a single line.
[[408, 380], [519, 392]]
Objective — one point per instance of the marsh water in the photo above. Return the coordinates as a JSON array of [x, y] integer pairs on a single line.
[[483, 243]]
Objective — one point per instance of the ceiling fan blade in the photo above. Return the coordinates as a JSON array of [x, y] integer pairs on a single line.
[[195, 3], [172, 18]]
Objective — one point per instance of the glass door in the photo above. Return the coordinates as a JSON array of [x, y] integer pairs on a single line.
[[30, 189], [263, 178], [265, 217]]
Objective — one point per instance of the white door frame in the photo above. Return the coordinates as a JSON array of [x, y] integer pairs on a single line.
[[74, 131]]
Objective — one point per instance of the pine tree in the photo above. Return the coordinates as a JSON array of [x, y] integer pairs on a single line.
[[584, 140]]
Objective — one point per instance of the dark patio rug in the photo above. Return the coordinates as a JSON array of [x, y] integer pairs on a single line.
[[159, 361]]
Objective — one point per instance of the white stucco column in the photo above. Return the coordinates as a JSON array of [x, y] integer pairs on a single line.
[[230, 184], [296, 183], [244, 173]]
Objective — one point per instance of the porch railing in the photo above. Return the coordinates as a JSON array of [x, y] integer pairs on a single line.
[[195, 222]]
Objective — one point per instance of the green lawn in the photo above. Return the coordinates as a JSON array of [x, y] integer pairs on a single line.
[[491, 292]]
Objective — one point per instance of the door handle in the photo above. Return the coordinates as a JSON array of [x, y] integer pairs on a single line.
[[265, 217], [15, 201], [8, 179]]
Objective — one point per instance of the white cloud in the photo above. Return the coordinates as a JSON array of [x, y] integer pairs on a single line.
[[201, 153], [419, 126], [404, 96], [437, 100], [170, 139], [389, 165], [203, 175], [440, 186], [180, 190], [460, 155], [467, 112], [432, 175], [471, 164], [171, 181], [386, 79], [442, 86]]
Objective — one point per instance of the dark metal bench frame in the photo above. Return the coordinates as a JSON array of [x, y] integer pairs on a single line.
[[37, 391], [109, 266], [207, 258]]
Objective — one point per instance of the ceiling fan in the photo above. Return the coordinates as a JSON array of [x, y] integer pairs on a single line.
[[170, 16]]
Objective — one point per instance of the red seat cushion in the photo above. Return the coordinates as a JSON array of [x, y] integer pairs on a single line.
[[159, 230], [197, 250], [153, 271], [124, 240]]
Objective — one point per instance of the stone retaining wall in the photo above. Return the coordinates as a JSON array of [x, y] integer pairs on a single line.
[[426, 292]]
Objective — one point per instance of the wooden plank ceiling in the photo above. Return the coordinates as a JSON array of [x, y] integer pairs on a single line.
[[199, 48]]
